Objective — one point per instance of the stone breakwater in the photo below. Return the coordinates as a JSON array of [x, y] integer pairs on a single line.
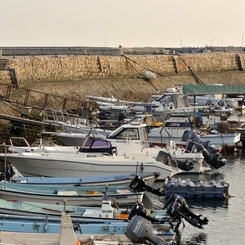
[[123, 76], [59, 68]]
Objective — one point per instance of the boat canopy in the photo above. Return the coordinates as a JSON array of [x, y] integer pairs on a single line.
[[192, 89], [94, 144]]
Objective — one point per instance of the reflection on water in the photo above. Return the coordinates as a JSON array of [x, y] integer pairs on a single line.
[[198, 238], [207, 203]]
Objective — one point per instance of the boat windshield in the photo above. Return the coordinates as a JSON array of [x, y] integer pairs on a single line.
[[132, 133], [166, 98], [96, 143]]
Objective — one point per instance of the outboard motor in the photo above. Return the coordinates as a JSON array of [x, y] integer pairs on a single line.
[[209, 153], [139, 230], [167, 159], [138, 185], [9, 173], [191, 136], [215, 160], [176, 205], [177, 208], [140, 210]]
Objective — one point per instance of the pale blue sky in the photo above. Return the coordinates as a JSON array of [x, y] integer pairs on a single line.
[[130, 23]]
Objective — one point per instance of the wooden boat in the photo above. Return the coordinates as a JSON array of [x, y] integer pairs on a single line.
[[196, 189], [74, 195]]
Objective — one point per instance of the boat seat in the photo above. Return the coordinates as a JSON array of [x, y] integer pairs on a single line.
[[67, 193], [123, 191]]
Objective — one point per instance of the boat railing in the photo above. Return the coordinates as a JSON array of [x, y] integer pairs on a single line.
[[24, 146], [21, 140]]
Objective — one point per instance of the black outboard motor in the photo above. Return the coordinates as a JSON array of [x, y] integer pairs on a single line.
[[140, 210], [166, 158], [139, 230], [191, 136], [176, 205], [138, 185], [215, 160], [9, 173], [209, 153], [177, 208]]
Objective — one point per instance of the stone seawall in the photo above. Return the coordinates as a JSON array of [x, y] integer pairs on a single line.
[[58, 68], [123, 76]]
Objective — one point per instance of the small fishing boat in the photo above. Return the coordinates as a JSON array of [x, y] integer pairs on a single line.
[[196, 189], [74, 195], [66, 235], [92, 227], [74, 233], [85, 181], [108, 209]]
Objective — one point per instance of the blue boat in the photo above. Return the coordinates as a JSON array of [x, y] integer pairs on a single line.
[[107, 210], [81, 181], [73, 232], [88, 226], [74, 195]]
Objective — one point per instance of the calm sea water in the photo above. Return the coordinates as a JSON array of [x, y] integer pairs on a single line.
[[226, 219]]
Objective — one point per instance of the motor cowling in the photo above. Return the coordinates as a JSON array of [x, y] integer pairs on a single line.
[[139, 230]]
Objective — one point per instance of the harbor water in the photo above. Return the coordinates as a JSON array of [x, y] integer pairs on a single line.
[[226, 218]]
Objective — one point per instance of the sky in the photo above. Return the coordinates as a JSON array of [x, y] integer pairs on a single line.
[[129, 23]]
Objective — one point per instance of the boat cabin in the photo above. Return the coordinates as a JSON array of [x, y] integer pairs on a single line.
[[133, 131], [172, 99]]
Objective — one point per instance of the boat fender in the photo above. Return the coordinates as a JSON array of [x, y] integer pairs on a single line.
[[78, 243]]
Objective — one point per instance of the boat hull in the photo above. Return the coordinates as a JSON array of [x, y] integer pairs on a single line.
[[76, 195], [84, 181], [56, 166], [87, 227], [71, 200]]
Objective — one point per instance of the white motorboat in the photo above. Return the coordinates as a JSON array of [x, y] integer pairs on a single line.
[[175, 127], [132, 140], [174, 100], [97, 157]]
